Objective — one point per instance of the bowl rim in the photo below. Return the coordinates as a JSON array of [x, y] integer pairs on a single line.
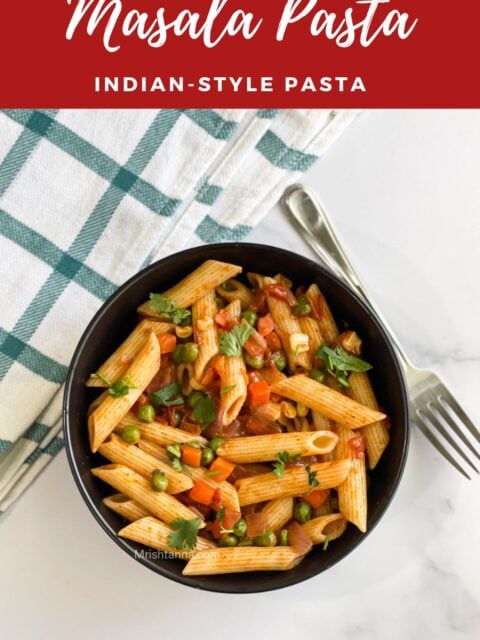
[[67, 420]]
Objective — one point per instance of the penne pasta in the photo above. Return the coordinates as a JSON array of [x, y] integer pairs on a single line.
[[133, 485], [143, 463], [326, 401], [288, 326], [235, 290], [233, 377], [322, 314], [330, 527], [117, 364], [154, 533], [264, 448], [375, 434], [310, 327], [125, 507], [158, 433], [240, 559], [278, 512], [206, 277], [203, 314], [294, 482], [111, 410], [352, 493]]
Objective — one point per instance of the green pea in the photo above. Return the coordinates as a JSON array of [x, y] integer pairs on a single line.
[[302, 308], [317, 374], [159, 481], [220, 302], [207, 456], [303, 512], [228, 541], [249, 316], [283, 538], [215, 443], [130, 434], [280, 360], [267, 539], [256, 362], [194, 398], [246, 542], [240, 528], [178, 354], [146, 413], [190, 353]]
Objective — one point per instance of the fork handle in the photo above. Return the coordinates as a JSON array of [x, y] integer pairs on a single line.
[[317, 230]]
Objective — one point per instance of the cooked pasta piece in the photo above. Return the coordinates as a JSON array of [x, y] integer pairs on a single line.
[[108, 414], [330, 527], [326, 401], [264, 448], [206, 277], [240, 559], [375, 434], [125, 507], [311, 328], [158, 433], [278, 512], [185, 374], [154, 534], [322, 314], [320, 422], [235, 290], [133, 485], [117, 364], [288, 327], [294, 482], [352, 493], [203, 314], [143, 463]]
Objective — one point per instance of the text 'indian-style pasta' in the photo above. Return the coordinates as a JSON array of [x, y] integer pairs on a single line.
[[235, 420]]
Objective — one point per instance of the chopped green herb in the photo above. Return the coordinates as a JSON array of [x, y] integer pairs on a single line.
[[339, 363], [282, 458], [220, 514], [121, 387], [185, 534], [99, 376], [312, 477], [326, 543], [168, 309], [163, 397], [204, 411], [231, 342], [174, 450], [227, 389], [212, 472]]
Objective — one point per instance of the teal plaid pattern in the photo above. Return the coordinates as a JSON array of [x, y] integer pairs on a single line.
[[89, 197]]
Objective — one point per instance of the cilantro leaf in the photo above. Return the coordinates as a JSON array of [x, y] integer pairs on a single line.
[[100, 376], [185, 534], [168, 309], [220, 514], [282, 458], [204, 411], [312, 477], [339, 363], [227, 389], [231, 342], [163, 397], [121, 387]]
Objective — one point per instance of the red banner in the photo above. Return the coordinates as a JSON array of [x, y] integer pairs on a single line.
[[239, 53]]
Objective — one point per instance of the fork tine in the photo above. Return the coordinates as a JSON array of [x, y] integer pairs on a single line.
[[435, 422], [437, 444], [455, 428], [456, 408]]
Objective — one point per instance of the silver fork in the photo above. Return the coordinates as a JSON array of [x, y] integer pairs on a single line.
[[434, 409]]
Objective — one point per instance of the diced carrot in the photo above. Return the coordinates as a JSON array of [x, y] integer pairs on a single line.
[[202, 492], [218, 364], [273, 341], [191, 456], [258, 393], [167, 342], [215, 529], [252, 347], [208, 377], [222, 317], [224, 468], [265, 325], [316, 497], [230, 518]]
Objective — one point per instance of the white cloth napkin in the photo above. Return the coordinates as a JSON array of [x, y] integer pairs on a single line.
[[89, 197]]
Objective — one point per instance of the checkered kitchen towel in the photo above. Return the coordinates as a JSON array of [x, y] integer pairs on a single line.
[[87, 198]]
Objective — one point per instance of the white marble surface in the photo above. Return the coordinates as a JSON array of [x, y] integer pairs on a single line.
[[403, 190]]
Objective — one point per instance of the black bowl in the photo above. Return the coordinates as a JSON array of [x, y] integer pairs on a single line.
[[114, 322]]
